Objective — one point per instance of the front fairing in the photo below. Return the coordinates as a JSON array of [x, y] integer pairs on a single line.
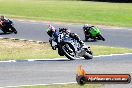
[[94, 31], [67, 39], [73, 42]]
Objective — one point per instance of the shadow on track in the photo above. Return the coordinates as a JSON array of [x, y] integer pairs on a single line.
[[90, 41], [52, 60], [64, 60], [4, 33]]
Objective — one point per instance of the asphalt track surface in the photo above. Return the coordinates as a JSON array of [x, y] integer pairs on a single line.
[[37, 31], [61, 71]]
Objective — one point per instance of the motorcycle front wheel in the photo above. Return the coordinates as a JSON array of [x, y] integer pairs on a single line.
[[88, 54], [101, 38], [14, 30], [68, 51]]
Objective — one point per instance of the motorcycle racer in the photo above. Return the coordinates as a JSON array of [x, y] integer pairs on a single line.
[[52, 31], [87, 28], [3, 20], [72, 35], [6, 25], [92, 32]]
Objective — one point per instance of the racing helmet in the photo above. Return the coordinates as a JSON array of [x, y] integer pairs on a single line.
[[51, 28], [86, 25], [2, 17]]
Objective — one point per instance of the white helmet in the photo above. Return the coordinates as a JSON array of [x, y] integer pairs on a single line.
[[85, 25]]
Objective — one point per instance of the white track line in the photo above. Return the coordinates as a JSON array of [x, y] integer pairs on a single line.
[[68, 59], [55, 59], [113, 55], [39, 85]]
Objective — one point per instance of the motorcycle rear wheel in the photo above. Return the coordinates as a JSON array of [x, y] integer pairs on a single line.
[[4, 31], [60, 52]]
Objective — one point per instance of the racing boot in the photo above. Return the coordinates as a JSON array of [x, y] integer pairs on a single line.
[[81, 43]]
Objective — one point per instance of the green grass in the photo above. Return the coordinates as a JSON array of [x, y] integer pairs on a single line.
[[67, 86], [105, 50], [117, 14], [20, 50]]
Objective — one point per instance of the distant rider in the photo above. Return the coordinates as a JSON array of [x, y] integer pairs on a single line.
[[2, 18], [87, 28], [4, 21], [52, 31]]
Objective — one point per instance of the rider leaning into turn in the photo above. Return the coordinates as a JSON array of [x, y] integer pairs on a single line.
[[87, 28], [3, 20], [52, 31]]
